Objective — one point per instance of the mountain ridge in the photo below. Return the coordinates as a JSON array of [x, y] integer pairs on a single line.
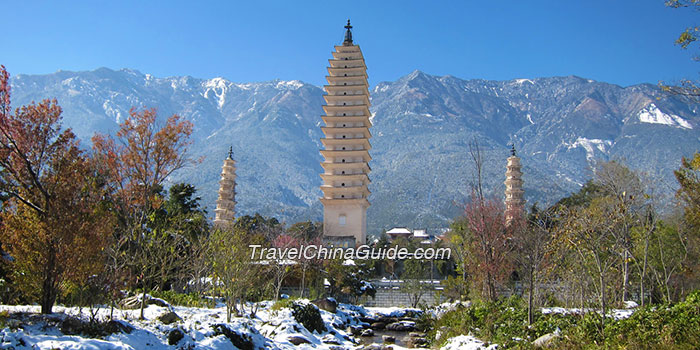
[[422, 126]]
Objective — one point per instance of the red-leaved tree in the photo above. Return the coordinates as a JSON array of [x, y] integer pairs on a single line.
[[137, 162], [55, 222], [482, 237]]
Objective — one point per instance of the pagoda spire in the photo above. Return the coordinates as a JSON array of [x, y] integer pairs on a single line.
[[226, 202], [514, 188], [346, 145], [348, 35]]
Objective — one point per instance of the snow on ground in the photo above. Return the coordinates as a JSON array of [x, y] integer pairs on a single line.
[[270, 329], [467, 342], [392, 311], [617, 314]]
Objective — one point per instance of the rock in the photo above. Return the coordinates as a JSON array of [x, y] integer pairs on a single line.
[[416, 335], [297, 340], [417, 342], [329, 339], [157, 301], [328, 304], [389, 339], [169, 317], [367, 319], [241, 341], [387, 320], [402, 326], [113, 327], [354, 330], [544, 341], [378, 325], [336, 348], [175, 336], [372, 347], [367, 333]]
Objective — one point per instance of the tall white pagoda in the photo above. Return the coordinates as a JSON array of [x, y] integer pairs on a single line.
[[226, 202], [346, 144], [515, 201]]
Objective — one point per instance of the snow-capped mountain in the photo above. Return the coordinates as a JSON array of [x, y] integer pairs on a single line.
[[421, 169]]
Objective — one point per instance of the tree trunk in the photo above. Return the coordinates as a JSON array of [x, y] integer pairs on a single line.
[[143, 301], [48, 287], [625, 276], [644, 271], [531, 298], [602, 305], [228, 307]]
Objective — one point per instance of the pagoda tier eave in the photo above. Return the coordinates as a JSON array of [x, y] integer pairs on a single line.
[[345, 201], [356, 61], [340, 142], [343, 81], [345, 166], [327, 131], [347, 153], [346, 177], [330, 190]]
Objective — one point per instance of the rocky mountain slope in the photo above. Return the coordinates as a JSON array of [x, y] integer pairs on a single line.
[[421, 169]]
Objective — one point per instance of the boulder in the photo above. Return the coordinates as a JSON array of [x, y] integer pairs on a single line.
[[330, 339], [169, 317], [417, 342], [416, 335], [373, 347], [175, 336], [240, 341], [545, 341], [403, 326], [157, 301], [297, 340], [367, 333], [354, 330], [387, 319], [328, 304], [389, 339], [367, 319], [378, 325]]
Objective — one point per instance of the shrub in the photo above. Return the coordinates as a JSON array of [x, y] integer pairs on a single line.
[[309, 316], [281, 304], [184, 299]]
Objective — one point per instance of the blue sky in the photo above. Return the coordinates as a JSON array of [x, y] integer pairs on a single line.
[[619, 41]]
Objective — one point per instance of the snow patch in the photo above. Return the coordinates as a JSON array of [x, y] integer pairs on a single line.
[[653, 115], [289, 85], [529, 118], [219, 87], [589, 145], [467, 342], [521, 81]]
